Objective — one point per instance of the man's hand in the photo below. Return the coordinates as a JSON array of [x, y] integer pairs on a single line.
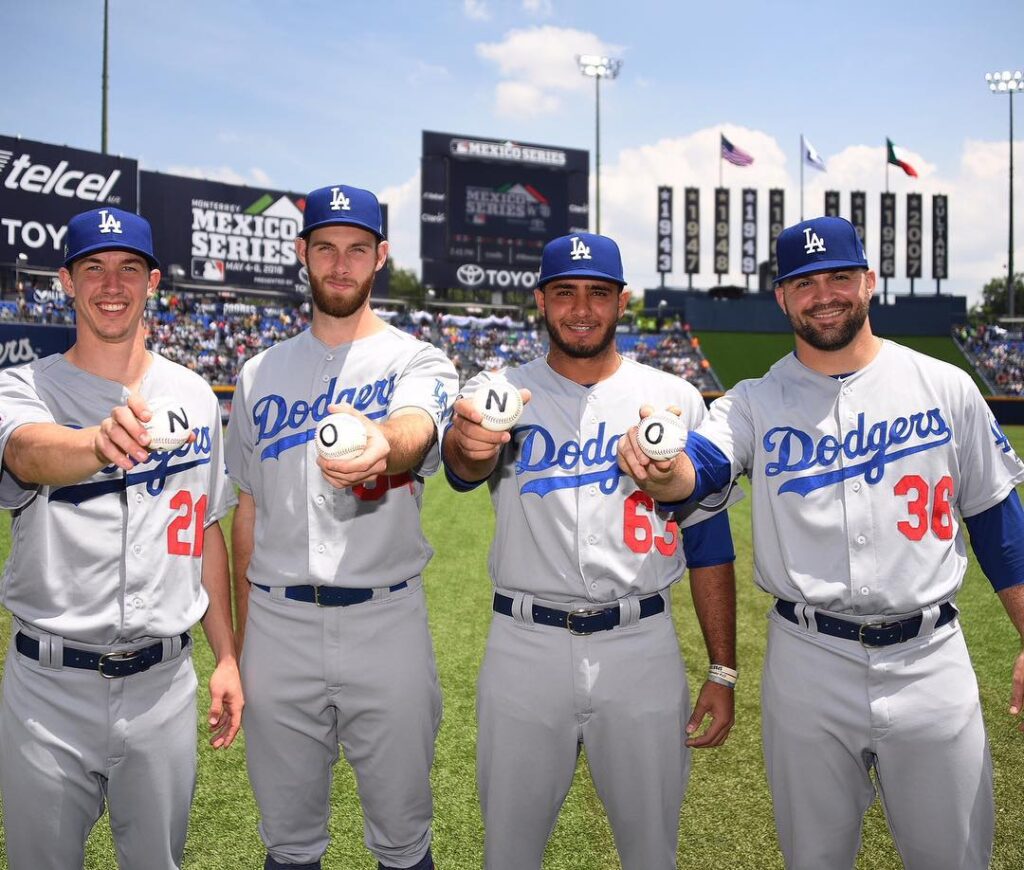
[[226, 702], [368, 465], [122, 439], [658, 478], [718, 702]]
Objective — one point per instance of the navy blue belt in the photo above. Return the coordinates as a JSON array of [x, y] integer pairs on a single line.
[[330, 596], [110, 665], [582, 620], [880, 633]]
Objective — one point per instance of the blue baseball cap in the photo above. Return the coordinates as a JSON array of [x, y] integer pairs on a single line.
[[581, 255], [821, 244], [108, 229], [341, 204]]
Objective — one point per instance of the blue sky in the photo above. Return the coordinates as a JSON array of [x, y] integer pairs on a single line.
[[294, 95]]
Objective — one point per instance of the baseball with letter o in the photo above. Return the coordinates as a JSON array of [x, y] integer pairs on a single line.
[[340, 436], [661, 435]]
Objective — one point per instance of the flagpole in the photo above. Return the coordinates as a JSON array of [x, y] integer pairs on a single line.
[[801, 177], [719, 158], [885, 281]]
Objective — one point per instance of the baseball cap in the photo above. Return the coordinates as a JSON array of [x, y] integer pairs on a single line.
[[108, 229], [820, 244], [581, 255], [341, 204]]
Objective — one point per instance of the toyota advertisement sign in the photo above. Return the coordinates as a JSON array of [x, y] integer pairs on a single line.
[[42, 186]]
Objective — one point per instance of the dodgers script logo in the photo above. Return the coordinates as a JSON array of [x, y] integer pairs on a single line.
[[797, 451], [339, 202], [109, 223], [272, 414], [154, 472], [539, 452]]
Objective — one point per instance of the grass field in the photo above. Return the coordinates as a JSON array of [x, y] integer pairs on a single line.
[[726, 821], [739, 355]]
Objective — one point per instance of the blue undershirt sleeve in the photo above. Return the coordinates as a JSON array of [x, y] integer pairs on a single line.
[[713, 469], [997, 538], [709, 543]]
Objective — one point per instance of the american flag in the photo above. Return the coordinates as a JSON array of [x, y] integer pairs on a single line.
[[736, 156]]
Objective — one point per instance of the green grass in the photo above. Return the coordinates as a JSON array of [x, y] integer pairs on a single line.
[[727, 818], [736, 356]]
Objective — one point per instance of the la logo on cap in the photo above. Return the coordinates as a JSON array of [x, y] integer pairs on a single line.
[[339, 202], [109, 223], [813, 242], [579, 250]]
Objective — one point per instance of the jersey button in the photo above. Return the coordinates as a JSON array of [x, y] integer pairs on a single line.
[[856, 487], [847, 391], [591, 539], [319, 499], [325, 378], [320, 548], [137, 549], [330, 356], [137, 602], [593, 490], [138, 497], [861, 539], [591, 398], [864, 590]]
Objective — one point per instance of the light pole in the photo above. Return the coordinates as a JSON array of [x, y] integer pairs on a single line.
[[19, 263], [598, 67], [1008, 83]]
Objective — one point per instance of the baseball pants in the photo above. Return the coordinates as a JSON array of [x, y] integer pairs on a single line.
[[362, 677], [71, 740], [544, 694], [834, 711]]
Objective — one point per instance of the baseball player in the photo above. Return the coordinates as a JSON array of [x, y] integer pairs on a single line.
[[328, 555], [116, 552], [865, 459], [582, 649]]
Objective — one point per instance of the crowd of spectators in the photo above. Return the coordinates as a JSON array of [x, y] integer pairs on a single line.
[[997, 355], [214, 339]]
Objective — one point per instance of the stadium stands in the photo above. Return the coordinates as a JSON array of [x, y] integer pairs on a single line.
[[996, 354]]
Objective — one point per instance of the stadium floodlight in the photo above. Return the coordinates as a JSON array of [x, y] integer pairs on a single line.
[[597, 67], [1009, 83], [19, 264]]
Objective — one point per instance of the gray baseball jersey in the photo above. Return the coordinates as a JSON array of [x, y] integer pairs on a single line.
[[369, 683], [70, 571], [594, 536], [332, 537], [572, 531], [859, 485], [114, 562]]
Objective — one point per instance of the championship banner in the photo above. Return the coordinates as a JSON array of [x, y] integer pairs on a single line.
[[224, 234], [832, 203], [664, 254], [748, 232], [859, 213], [721, 231], [691, 238], [887, 259], [915, 234], [776, 224], [940, 236], [42, 186]]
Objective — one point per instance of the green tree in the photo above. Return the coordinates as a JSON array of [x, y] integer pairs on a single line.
[[405, 284], [993, 300]]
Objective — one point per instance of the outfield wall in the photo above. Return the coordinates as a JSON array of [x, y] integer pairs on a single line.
[[910, 315]]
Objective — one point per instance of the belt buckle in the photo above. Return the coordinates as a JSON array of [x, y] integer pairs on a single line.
[[316, 596], [116, 657], [581, 612], [878, 625]]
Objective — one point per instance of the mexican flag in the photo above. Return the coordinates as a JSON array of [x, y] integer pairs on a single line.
[[898, 157]]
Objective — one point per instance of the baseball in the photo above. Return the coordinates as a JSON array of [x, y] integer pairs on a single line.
[[661, 435], [500, 404], [170, 425], [340, 436]]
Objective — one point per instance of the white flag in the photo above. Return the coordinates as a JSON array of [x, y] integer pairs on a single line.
[[811, 156]]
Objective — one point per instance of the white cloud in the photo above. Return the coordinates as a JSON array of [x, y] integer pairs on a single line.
[[476, 10], [977, 192], [403, 202], [228, 174], [539, 8], [538, 65], [428, 73]]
